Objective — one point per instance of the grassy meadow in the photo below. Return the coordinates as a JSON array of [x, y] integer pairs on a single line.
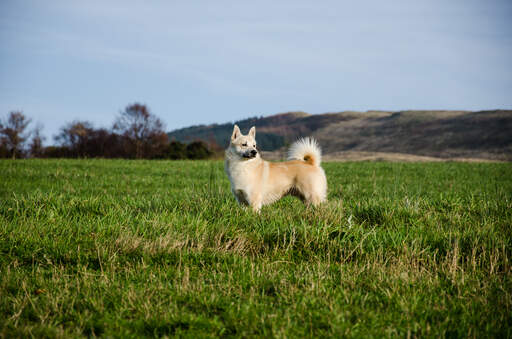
[[120, 248]]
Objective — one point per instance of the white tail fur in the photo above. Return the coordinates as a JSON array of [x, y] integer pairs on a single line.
[[306, 149]]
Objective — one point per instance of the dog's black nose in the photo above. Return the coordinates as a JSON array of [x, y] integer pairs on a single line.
[[254, 152]]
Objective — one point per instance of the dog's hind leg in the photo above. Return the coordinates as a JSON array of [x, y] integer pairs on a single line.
[[318, 194], [314, 199], [314, 193]]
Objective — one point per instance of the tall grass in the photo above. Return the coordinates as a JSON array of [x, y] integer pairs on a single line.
[[158, 248]]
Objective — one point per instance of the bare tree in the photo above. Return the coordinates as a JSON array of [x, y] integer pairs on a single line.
[[36, 144], [75, 135], [143, 130], [12, 133]]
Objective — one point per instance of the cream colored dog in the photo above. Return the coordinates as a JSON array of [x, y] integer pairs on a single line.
[[256, 182]]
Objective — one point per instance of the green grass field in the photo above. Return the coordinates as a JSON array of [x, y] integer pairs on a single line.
[[123, 248]]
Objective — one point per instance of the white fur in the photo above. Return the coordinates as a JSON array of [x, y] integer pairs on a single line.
[[305, 147]]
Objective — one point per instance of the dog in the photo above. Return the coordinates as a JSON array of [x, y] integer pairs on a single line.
[[256, 182]]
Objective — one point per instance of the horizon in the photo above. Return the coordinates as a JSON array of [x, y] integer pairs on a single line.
[[216, 63]]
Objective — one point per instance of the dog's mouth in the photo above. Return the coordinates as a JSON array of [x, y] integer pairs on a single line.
[[250, 155]]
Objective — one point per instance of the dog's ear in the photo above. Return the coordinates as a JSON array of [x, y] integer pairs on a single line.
[[236, 133], [252, 132]]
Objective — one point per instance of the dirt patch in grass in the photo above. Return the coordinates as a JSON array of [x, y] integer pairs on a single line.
[[378, 156]]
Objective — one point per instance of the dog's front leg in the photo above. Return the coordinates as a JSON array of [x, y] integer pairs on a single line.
[[255, 201]]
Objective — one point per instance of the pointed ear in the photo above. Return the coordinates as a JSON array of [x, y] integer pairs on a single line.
[[236, 133], [252, 132]]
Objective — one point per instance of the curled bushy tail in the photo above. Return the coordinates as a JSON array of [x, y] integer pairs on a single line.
[[306, 149]]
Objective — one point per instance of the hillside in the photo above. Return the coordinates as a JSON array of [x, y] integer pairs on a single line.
[[440, 134]]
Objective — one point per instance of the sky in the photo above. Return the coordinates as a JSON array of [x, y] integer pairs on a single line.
[[201, 62]]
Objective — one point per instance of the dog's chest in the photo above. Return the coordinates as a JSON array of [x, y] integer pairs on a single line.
[[242, 175]]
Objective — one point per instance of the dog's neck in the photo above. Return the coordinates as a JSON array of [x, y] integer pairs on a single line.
[[232, 158]]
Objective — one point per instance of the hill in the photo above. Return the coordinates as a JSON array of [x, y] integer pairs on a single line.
[[440, 134]]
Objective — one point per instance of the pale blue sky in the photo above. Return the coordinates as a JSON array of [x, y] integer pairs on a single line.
[[198, 62]]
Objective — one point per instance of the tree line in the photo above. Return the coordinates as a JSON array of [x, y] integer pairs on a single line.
[[135, 134]]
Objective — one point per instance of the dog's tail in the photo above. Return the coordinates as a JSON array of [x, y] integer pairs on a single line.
[[306, 149]]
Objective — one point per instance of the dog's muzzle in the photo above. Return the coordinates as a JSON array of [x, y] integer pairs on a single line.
[[251, 154]]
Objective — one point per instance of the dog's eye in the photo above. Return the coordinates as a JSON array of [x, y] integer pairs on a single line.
[[245, 144]]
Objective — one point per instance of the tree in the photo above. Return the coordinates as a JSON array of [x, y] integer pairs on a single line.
[[157, 145], [198, 150], [75, 136], [12, 133], [176, 150], [104, 143], [143, 131], [36, 145], [4, 152]]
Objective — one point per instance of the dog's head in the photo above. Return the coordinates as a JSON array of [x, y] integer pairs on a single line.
[[243, 146]]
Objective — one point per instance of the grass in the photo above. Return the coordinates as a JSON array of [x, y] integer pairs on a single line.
[[122, 248]]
